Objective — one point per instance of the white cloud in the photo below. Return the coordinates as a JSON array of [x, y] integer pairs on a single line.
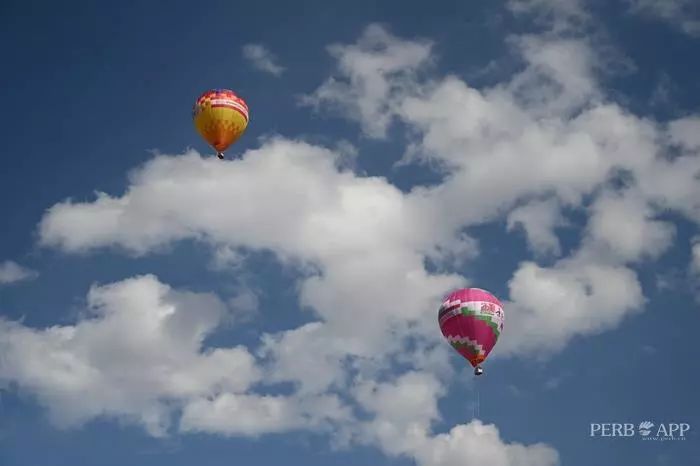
[[253, 415], [310, 356], [362, 244], [476, 443], [367, 241], [405, 408], [370, 75], [362, 233], [550, 131], [623, 226], [12, 272], [683, 14], [262, 59], [407, 404], [574, 297], [685, 132], [559, 78], [539, 218], [136, 352]]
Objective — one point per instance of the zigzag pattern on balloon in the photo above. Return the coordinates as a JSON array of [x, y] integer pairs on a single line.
[[465, 342]]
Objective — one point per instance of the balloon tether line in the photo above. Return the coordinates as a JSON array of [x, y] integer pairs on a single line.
[[478, 403]]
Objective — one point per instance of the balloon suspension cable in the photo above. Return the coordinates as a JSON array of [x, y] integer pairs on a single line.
[[477, 404]]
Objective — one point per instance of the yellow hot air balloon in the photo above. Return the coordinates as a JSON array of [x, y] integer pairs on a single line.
[[221, 118]]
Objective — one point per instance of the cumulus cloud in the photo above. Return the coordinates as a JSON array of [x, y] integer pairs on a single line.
[[622, 225], [355, 230], [253, 415], [404, 409], [547, 131], [685, 133], [539, 218], [543, 140], [262, 59], [137, 354], [12, 272], [138, 348], [551, 305], [476, 443], [370, 76]]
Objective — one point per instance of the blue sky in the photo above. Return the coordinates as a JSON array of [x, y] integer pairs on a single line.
[[159, 306]]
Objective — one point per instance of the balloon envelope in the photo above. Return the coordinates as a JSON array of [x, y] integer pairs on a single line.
[[220, 117], [471, 319]]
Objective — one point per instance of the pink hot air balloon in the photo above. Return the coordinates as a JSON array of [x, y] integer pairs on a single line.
[[471, 319]]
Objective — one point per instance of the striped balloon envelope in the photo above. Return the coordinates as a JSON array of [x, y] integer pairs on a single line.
[[221, 118], [471, 319]]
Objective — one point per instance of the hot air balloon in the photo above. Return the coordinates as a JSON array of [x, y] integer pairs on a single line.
[[220, 117], [471, 319]]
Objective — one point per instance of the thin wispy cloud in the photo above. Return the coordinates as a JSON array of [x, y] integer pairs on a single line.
[[12, 272], [262, 59], [682, 14]]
